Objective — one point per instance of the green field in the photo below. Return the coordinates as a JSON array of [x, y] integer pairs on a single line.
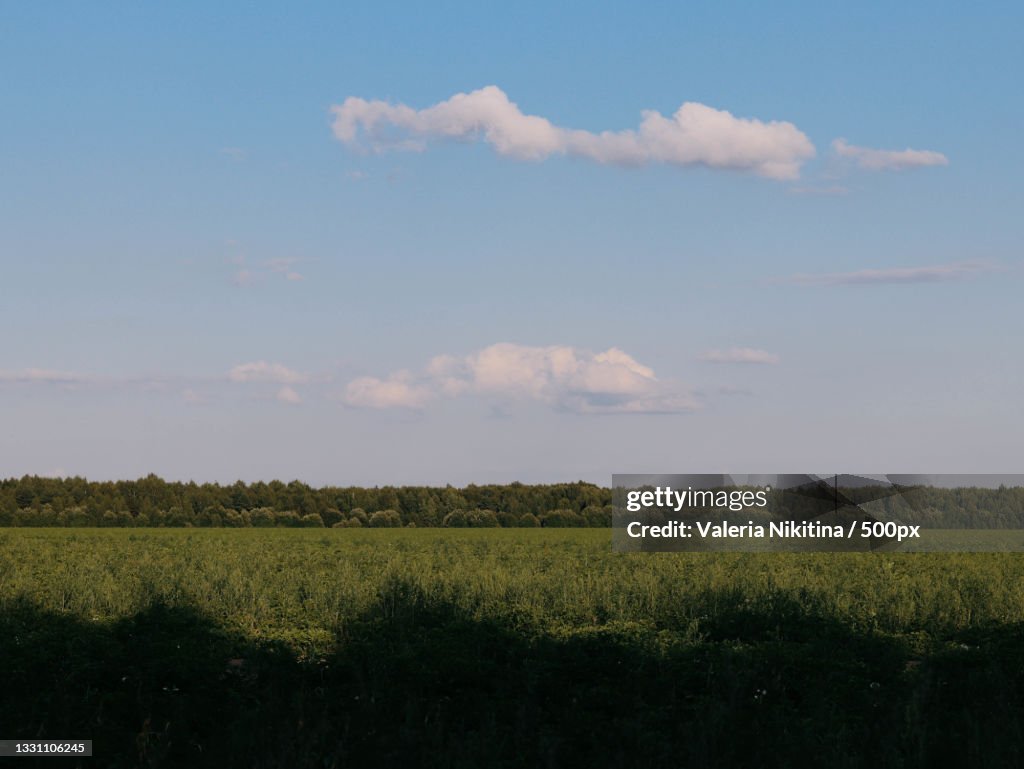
[[478, 648]]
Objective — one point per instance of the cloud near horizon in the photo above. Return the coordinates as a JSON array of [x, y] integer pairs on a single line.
[[262, 371], [41, 376], [562, 377], [893, 275], [695, 135], [888, 160]]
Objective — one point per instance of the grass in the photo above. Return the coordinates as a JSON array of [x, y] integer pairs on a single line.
[[325, 648]]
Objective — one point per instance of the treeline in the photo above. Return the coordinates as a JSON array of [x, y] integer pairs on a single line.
[[152, 501], [937, 508], [930, 506]]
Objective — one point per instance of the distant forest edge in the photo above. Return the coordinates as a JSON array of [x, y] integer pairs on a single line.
[[154, 502]]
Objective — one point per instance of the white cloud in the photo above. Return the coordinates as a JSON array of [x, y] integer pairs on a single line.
[[261, 371], [563, 377], [694, 135], [283, 267], [288, 395], [888, 160], [740, 355], [928, 274], [70, 380], [397, 391]]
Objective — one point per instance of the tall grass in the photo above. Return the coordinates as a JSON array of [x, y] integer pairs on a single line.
[[358, 647], [293, 584]]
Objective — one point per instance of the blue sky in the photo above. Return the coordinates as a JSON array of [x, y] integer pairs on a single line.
[[204, 277]]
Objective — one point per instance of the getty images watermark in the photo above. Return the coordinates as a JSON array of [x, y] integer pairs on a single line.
[[789, 513]]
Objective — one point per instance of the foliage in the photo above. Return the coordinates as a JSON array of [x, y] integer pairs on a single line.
[[151, 501], [361, 647]]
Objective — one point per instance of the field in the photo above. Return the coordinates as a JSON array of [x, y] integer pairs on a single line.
[[479, 648]]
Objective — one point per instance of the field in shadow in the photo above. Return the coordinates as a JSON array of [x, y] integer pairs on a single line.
[[419, 682]]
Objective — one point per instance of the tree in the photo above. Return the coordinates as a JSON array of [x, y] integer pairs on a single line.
[[456, 519], [385, 519]]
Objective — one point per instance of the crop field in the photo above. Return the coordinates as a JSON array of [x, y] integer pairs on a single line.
[[495, 647]]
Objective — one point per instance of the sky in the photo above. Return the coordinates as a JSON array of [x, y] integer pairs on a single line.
[[398, 243]]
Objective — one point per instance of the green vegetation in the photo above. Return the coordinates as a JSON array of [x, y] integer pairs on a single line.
[[32, 501], [330, 648], [153, 502]]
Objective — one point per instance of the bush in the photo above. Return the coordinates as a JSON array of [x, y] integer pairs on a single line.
[[79, 516], [598, 517], [455, 519], [508, 520], [563, 518], [332, 516], [262, 517], [176, 517], [385, 519], [360, 515], [31, 517], [482, 519]]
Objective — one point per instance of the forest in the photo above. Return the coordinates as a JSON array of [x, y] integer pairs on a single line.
[[154, 502]]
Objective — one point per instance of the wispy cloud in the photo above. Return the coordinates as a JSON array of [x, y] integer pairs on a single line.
[[740, 355], [262, 371], [42, 376], [284, 267], [71, 380], [928, 274], [288, 395], [235, 153], [562, 377], [695, 135], [888, 160], [191, 389]]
